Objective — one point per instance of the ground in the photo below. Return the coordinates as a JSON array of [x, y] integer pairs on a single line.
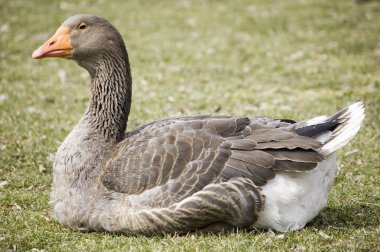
[[289, 59]]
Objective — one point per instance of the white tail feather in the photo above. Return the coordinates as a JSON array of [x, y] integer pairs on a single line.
[[350, 124]]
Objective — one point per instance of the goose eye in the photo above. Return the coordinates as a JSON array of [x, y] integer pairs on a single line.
[[82, 26]]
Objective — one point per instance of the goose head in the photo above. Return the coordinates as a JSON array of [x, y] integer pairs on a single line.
[[85, 38], [98, 47]]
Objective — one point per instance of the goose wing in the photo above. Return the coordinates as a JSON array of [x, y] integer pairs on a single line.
[[168, 161]]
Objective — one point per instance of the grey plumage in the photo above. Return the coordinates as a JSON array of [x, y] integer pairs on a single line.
[[179, 175]]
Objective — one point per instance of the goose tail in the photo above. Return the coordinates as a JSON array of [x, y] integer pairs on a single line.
[[333, 131]]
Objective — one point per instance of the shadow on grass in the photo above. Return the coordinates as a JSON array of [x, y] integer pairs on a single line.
[[352, 216]]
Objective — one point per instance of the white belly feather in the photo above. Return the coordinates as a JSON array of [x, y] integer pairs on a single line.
[[294, 199]]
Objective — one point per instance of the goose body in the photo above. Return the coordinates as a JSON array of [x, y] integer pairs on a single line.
[[179, 175]]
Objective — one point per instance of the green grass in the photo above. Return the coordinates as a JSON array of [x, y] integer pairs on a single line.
[[292, 59]]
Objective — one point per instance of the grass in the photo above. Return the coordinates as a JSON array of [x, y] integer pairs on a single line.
[[292, 59]]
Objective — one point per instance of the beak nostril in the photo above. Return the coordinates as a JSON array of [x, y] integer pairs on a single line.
[[52, 43]]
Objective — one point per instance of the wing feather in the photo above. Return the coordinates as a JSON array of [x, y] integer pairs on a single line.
[[164, 163]]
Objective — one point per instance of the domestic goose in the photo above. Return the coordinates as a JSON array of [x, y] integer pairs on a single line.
[[186, 174]]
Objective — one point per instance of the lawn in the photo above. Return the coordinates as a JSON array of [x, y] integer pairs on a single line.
[[290, 59]]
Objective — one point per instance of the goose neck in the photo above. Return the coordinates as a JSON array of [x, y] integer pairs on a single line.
[[111, 93]]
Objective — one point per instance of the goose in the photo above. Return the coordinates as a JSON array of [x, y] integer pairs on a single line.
[[192, 174]]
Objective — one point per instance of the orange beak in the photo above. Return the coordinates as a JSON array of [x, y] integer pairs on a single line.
[[57, 46]]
